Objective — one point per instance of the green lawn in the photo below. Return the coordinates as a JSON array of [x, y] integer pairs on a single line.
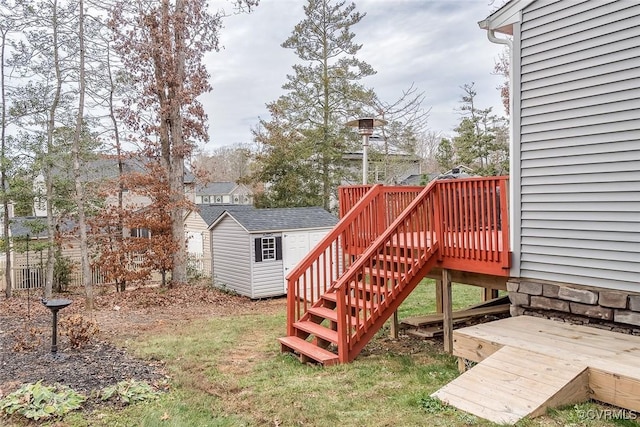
[[229, 371]]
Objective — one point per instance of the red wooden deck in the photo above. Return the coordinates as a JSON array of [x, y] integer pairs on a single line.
[[387, 241]]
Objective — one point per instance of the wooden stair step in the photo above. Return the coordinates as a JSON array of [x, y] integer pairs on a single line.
[[308, 349], [383, 272], [328, 313], [318, 330], [505, 392], [362, 303], [398, 260], [369, 287]]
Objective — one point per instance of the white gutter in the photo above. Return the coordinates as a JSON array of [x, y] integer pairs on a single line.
[[513, 217], [491, 35]]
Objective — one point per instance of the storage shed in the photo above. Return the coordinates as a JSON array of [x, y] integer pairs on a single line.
[[196, 226], [254, 249]]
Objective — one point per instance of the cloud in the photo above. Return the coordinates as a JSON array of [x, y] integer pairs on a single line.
[[435, 44]]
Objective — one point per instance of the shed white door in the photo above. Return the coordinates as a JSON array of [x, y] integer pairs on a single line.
[[295, 246], [195, 243]]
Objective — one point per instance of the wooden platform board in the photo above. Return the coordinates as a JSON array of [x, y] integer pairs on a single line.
[[611, 360]]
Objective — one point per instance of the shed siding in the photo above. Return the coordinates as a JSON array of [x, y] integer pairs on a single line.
[[268, 276], [195, 224], [231, 257], [580, 143]]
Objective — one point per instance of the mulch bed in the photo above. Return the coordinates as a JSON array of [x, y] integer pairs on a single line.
[[25, 336]]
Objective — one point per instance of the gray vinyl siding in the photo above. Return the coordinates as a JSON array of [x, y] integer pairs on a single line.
[[579, 143], [268, 275], [232, 258]]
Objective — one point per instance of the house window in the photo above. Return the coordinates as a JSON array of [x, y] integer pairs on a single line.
[[268, 248], [141, 232]]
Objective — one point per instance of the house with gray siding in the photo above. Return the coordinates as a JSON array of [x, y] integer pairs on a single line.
[[253, 249], [575, 156]]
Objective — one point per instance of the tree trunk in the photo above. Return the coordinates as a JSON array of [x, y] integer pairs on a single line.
[[121, 284], [77, 149], [3, 174], [48, 163], [178, 150]]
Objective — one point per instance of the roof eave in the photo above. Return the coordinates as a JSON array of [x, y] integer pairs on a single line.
[[502, 20], [284, 230]]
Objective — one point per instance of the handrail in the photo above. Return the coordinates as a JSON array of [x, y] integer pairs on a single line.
[[475, 226], [407, 244], [330, 258], [305, 283]]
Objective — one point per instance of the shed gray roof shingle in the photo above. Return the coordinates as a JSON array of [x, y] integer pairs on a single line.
[[210, 213], [279, 219]]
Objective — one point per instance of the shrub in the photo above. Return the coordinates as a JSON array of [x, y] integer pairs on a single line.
[[62, 271], [129, 391], [79, 330], [36, 401]]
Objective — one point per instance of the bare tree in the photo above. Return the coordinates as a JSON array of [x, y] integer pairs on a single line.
[[162, 45], [8, 24], [406, 122], [229, 163]]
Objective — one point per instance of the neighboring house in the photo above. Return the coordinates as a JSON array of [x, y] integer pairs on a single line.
[[99, 171], [460, 171], [95, 174], [254, 249], [392, 168], [223, 193], [575, 166]]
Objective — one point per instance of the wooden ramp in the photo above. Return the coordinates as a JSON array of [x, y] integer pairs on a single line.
[[520, 359], [513, 383]]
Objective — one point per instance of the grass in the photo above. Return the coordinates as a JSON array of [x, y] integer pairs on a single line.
[[229, 372]]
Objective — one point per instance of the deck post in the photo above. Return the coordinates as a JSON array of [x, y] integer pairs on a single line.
[[394, 326], [447, 321], [438, 296], [489, 294]]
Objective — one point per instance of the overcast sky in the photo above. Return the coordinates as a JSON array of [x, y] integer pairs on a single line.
[[435, 44]]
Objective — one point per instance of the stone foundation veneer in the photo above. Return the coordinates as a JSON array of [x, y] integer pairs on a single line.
[[609, 309]]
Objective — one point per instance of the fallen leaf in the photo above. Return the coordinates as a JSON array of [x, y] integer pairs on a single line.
[[164, 417]]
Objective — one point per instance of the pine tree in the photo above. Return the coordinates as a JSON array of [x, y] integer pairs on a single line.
[[323, 94], [480, 142]]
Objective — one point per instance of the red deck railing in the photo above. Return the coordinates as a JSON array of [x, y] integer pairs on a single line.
[[474, 230]]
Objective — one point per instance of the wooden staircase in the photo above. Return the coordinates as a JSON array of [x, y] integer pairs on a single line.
[[386, 242], [339, 322]]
